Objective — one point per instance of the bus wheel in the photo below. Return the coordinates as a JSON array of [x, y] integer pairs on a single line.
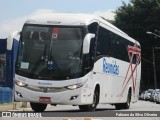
[[38, 107], [93, 106], [127, 104], [119, 106]]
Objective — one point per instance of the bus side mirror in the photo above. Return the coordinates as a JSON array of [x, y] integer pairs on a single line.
[[10, 39], [86, 42]]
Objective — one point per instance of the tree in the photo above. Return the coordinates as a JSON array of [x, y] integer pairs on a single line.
[[136, 18]]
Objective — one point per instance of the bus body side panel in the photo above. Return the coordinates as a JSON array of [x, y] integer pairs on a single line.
[[115, 80]]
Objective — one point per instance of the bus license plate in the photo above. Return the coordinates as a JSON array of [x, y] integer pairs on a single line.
[[44, 99]]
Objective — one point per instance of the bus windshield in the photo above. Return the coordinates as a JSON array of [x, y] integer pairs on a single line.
[[50, 52]]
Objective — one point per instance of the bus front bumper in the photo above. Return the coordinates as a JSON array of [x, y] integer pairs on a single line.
[[67, 97]]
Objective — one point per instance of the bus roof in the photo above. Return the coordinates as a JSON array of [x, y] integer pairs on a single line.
[[67, 19], [74, 19]]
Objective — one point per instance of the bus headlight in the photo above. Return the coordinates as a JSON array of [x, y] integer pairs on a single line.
[[73, 87], [21, 84]]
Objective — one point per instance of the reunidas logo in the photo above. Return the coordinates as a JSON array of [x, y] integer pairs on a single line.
[[45, 83], [110, 68]]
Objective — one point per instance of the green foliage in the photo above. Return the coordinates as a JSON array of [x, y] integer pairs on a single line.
[[136, 18]]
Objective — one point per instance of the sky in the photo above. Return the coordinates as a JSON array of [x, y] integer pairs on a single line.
[[15, 12]]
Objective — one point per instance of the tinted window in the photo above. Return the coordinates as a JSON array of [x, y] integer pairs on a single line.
[[103, 43], [113, 45]]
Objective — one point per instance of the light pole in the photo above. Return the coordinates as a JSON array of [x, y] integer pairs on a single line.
[[154, 66], [157, 31], [151, 33]]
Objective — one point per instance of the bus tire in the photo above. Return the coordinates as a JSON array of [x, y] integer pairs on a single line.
[[93, 106], [157, 102], [119, 106], [38, 107], [127, 104]]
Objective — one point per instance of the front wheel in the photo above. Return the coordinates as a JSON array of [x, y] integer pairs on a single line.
[[38, 107], [93, 106], [119, 106], [157, 102]]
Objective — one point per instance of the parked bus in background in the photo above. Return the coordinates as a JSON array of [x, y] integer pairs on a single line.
[[76, 59]]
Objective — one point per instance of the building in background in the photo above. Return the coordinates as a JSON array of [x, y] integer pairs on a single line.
[[3, 62], [7, 63]]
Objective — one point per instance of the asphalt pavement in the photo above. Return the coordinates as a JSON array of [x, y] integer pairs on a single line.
[[103, 112]]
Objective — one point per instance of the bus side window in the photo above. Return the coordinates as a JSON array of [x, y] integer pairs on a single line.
[[103, 43], [92, 28]]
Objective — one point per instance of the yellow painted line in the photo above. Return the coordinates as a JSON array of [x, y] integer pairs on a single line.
[[66, 119], [80, 119], [88, 119]]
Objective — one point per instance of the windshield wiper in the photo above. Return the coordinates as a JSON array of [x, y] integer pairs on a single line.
[[40, 60], [52, 62]]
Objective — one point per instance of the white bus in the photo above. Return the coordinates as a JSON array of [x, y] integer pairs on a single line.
[[76, 59]]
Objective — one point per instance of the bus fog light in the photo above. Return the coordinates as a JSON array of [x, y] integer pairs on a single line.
[[73, 97], [19, 94]]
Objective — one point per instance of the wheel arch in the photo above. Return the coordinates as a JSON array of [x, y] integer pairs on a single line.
[[130, 92], [97, 88]]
